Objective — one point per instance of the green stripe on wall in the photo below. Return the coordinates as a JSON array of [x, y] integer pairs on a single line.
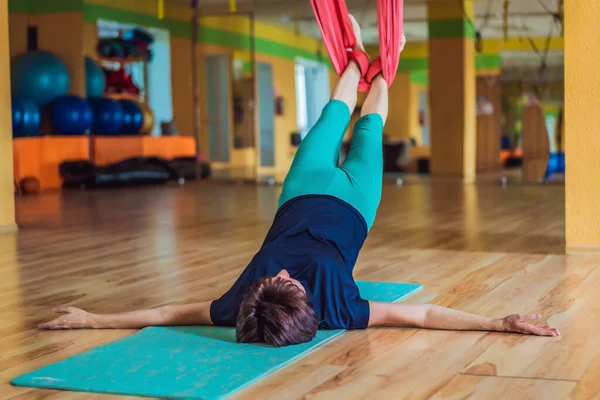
[[551, 110], [44, 6], [451, 29], [18, 6], [283, 51], [247, 68], [208, 35], [413, 64], [52, 6], [419, 77], [487, 61], [222, 38], [92, 12]]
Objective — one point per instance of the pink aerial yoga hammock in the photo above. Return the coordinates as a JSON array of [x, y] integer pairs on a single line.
[[338, 35]]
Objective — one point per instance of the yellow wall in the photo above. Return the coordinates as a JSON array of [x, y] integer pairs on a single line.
[[582, 85], [242, 158], [398, 125], [90, 40], [7, 202], [403, 119], [17, 33], [62, 34]]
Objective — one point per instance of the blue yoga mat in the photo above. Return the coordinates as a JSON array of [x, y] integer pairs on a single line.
[[186, 362]]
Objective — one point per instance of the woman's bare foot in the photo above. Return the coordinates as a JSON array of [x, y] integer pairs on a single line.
[[356, 28], [402, 42]]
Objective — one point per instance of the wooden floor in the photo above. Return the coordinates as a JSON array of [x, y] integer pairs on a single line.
[[484, 249]]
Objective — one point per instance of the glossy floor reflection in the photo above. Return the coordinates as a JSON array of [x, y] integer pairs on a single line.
[[480, 248]]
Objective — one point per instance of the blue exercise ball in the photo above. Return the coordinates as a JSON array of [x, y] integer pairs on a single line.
[[133, 118], [40, 76], [26, 117], [17, 120], [108, 116], [95, 80], [553, 165], [561, 162], [71, 115]]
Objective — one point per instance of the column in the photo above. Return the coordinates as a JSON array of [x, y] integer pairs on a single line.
[[7, 199], [582, 119], [452, 89]]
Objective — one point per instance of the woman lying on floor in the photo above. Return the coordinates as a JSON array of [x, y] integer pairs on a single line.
[[324, 216]]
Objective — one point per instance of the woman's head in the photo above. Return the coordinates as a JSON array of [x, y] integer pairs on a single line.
[[276, 311]]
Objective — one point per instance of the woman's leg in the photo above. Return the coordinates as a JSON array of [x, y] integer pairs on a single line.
[[317, 157], [363, 167], [377, 99]]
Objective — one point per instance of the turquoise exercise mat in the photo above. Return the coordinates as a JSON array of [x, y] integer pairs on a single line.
[[186, 362]]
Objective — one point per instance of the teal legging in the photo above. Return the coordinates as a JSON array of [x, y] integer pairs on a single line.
[[315, 168]]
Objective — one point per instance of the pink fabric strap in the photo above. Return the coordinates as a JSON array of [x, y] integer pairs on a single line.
[[375, 69], [338, 35], [362, 59], [390, 16]]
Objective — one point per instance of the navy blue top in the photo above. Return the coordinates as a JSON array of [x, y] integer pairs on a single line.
[[316, 238]]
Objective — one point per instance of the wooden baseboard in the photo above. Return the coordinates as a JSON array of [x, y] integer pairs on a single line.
[[582, 249], [459, 179], [219, 165], [8, 228]]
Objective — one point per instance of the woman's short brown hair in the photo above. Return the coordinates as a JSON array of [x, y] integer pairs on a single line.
[[276, 312]]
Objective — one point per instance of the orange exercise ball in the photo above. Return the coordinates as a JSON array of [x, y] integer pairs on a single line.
[[29, 185], [148, 124]]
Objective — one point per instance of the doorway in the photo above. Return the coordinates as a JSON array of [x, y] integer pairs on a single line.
[[266, 115], [424, 117], [312, 93], [217, 107]]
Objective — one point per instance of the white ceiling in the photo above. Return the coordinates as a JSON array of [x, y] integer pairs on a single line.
[[527, 18]]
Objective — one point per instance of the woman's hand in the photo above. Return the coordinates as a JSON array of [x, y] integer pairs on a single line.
[[520, 323], [76, 318], [431, 316], [72, 318]]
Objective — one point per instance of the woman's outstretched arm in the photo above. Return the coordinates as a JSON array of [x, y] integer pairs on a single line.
[[430, 316], [76, 318]]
